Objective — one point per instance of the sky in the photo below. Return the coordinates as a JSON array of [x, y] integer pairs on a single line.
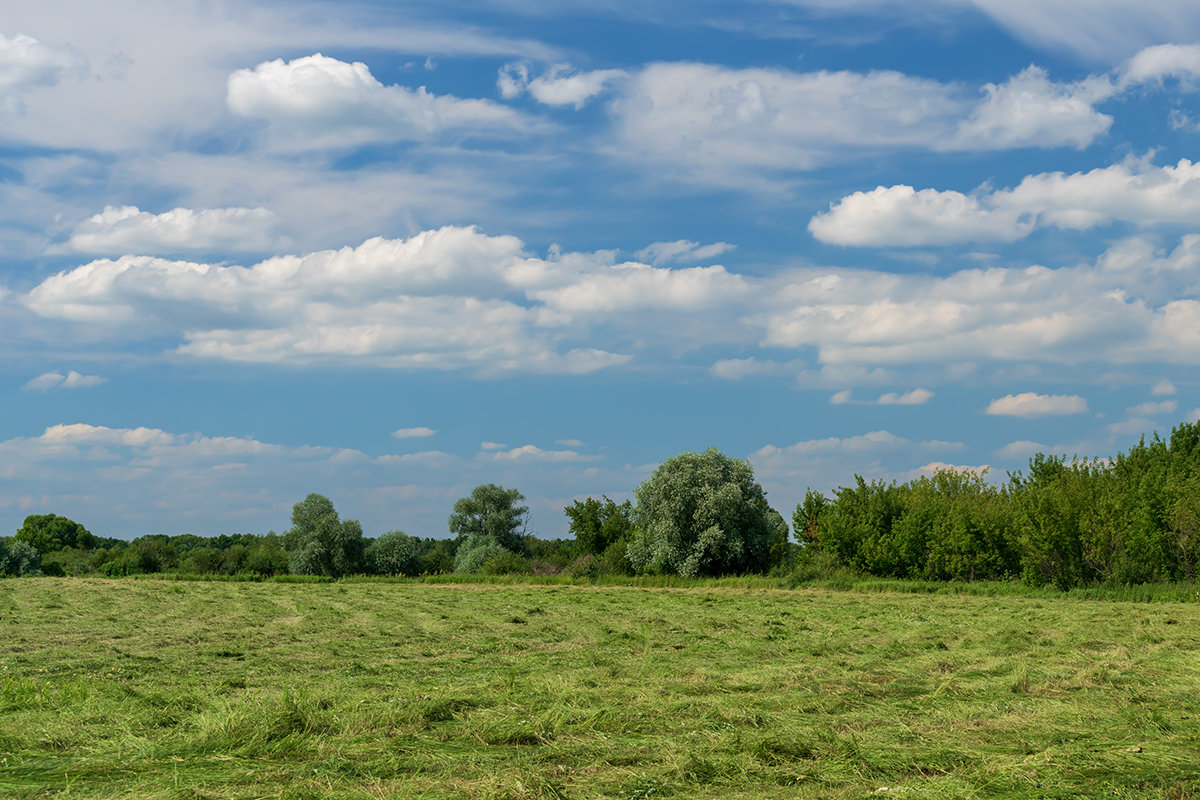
[[388, 251]]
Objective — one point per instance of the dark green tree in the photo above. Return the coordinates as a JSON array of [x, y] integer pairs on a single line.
[[597, 525], [321, 544], [50, 532], [492, 511]]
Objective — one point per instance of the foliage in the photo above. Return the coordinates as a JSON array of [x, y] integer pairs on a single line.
[[476, 551], [506, 563], [494, 512], [50, 532], [597, 525], [701, 514], [394, 553], [18, 558], [1130, 520], [321, 544]]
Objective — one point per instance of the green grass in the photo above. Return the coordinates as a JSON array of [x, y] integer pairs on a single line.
[[375, 689]]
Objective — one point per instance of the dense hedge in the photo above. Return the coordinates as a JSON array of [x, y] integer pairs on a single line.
[[1131, 519]]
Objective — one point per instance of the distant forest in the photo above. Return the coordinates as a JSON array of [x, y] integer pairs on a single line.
[[1131, 519]]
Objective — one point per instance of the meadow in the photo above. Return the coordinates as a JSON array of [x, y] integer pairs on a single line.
[[162, 689]]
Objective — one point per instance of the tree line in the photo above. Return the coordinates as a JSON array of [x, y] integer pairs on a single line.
[[1131, 519]]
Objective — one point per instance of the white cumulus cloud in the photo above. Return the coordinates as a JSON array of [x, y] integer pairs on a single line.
[[1163, 387], [56, 380], [126, 229], [319, 101], [914, 397], [1031, 404], [1030, 110], [1133, 191], [413, 433]]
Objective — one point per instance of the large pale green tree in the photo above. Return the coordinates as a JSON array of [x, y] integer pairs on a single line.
[[321, 544], [702, 514]]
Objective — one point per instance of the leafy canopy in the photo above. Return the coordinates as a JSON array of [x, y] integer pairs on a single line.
[[321, 544], [494, 512], [702, 514], [50, 532]]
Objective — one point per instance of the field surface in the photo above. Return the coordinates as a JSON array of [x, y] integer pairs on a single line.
[[155, 689]]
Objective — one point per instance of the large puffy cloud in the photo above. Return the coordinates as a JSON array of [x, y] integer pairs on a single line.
[[900, 216], [1134, 305], [1133, 191], [317, 100], [450, 298], [455, 298], [1153, 64], [1029, 110], [127, 229]]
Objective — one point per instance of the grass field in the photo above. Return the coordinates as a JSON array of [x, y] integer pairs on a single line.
[[156, 689]]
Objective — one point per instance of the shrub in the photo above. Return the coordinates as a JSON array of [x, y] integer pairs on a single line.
[[475, 552], [19, 558]]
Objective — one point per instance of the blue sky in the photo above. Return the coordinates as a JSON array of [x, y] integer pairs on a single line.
[[389, 251]]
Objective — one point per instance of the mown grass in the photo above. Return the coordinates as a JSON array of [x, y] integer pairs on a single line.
[[159, 689]]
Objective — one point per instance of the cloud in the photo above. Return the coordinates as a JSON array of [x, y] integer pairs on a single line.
[[1030, 404], [126, 229], [900, 216], [832, 461], [1163, 387], [1133, 191], [569, 442], [1104, 30], [1021, 449], [1194, 415], [1152, 408], [841, 398], [1153, 64], [720, 125], [660, 253], [560, 85], [457, 299], [26, 63], [532, 453], [491, 446], [638, 286], [1029, 110], [413, 433], [934, 467], [56, 380], [915, 397], [320, 101]]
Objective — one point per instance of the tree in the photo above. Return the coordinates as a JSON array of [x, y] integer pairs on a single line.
[[394, 553], [491, 511], [50, 532], [701, 514], [476, 551], [598, 525], [321, 544], [19, 558]]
